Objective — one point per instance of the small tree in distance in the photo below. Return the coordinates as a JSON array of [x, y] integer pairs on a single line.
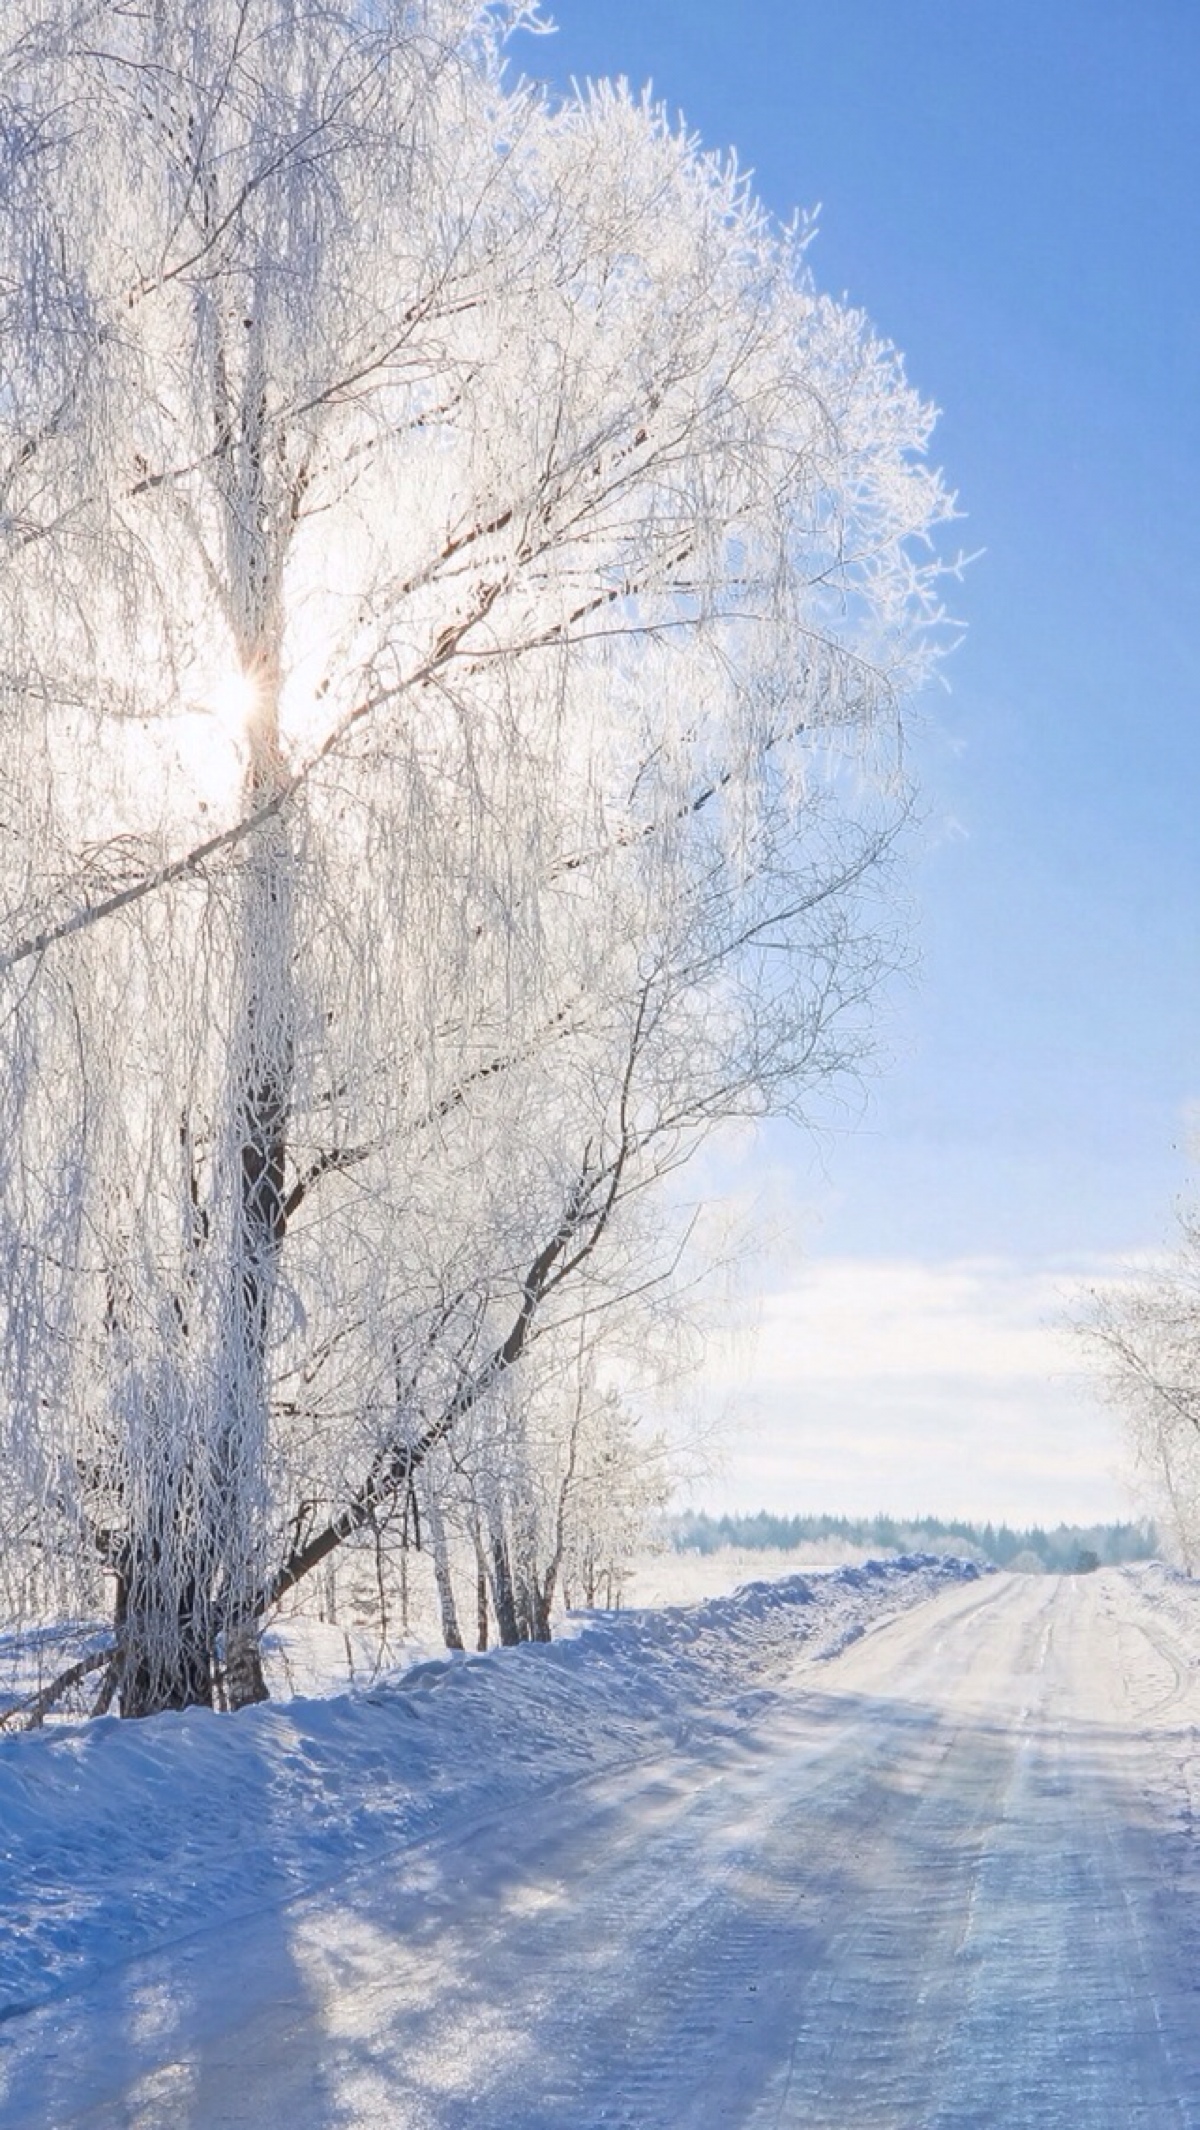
[[461, 582]]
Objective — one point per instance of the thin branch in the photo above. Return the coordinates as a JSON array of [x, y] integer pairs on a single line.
[[38, 1706]]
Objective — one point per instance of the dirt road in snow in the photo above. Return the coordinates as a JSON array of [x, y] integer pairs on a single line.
[[946, 1881]]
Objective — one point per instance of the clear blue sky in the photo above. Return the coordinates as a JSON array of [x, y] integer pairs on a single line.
[[1012, 192]]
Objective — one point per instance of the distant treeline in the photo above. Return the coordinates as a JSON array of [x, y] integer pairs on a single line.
[[1065, 1549]]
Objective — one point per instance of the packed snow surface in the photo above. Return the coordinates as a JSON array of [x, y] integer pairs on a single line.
[[817, 1854]]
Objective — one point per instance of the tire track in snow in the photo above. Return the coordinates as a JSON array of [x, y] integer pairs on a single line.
[[935, 1884]]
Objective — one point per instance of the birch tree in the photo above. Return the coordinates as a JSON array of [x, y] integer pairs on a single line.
[[461, 587], [1144, 1336]]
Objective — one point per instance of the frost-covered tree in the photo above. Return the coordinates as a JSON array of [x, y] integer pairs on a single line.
[[1144, 1335], [460, 581], [549, 1495]]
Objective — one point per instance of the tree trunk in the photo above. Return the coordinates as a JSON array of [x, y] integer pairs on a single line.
[[481, 1590], [503, 1595], [531, 1619], [193, 1577], [178, 1678], [451, 1632], [544, 1598], [262, 1069], [164, 1660], [525, 1579], [244, 1679]]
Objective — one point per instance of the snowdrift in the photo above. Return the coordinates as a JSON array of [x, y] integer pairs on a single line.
[[120, 1836]]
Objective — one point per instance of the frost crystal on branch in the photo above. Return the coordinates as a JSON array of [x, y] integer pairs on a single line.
[[460, 585]]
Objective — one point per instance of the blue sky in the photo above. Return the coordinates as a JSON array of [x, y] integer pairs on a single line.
[[1012, 193]]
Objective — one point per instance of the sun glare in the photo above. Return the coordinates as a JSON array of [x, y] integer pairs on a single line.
[[231, 698], [211, 734]]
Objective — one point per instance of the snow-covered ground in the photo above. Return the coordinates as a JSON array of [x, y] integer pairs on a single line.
[[117, 1836], [313, 1656], [817, 1854]]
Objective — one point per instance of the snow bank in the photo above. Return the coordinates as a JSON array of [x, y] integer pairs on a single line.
[[116, 1837]]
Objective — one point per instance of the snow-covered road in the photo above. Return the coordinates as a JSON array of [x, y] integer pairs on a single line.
[[945, 1880]]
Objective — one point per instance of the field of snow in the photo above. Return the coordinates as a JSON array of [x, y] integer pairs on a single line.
[[898, 1848], [670, 1578]]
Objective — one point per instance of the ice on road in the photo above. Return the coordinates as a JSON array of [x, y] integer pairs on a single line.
[[944, 1880]]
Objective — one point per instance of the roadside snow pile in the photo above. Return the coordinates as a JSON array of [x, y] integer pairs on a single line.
[[1167, 1590], [118, 1836]]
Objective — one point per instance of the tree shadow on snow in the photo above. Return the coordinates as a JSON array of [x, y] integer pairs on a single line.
[[846, 1912], [131, 2048]]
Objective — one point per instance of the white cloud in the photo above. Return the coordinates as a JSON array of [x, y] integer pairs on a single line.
[[950, 1387]]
